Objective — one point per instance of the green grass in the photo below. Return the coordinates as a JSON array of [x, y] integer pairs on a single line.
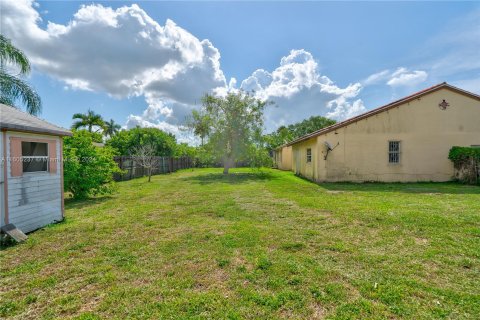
[[197, 244]]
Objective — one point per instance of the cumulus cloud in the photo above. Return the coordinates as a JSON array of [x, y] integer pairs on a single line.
[[122, 52], [299, 90], [128, 53], [154, 117]]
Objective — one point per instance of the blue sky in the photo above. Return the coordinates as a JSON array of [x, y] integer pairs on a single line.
[[347, 58]]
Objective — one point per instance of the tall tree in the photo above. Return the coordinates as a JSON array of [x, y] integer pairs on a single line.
[[291, 132], [236, 123], [200, 123], [111, 128], [13, 87], [88, 120]]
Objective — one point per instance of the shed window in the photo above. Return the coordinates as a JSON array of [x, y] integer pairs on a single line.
[[394, 152], [309, 155], [34, 156]]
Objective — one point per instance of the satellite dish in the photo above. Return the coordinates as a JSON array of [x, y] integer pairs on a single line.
[[329, 147]]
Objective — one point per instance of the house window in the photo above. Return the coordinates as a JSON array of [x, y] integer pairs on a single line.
[[309, 155], [34, 156], [394, 152]]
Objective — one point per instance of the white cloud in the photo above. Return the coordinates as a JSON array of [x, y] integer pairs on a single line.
[[122, 52], [401, 77], [404, 77], [150, 119], [376, 78], [128, 53], [300, 91]]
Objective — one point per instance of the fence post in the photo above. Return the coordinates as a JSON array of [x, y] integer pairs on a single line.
[[120, 165], [131, 168]]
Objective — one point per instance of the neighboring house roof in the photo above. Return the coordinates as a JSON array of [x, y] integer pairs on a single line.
[[386, 107], [17, 120]]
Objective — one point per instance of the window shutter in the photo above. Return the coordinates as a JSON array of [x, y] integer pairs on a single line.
[[16, 165], [52, 157]]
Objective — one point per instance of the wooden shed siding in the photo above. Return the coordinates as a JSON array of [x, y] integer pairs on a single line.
[[34, 199], [4, 187]]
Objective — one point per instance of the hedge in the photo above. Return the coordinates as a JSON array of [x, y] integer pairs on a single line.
[[461, 154], [467, 164]]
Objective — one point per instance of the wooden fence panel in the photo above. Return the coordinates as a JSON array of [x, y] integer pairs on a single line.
[[165, 165]]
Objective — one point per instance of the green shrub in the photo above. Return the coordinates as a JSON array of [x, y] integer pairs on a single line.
[[126, 141], [467, 163], [462, 154], [88, 170]]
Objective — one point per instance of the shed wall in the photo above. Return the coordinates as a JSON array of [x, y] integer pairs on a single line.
[[34, 199]]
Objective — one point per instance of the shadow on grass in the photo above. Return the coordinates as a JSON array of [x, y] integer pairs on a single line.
[[6, 243], [71, 203], [430, 188], [231, 178]]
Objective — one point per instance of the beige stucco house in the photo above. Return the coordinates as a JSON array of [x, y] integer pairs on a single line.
[[282, 158], [31, 175], [406, 140]]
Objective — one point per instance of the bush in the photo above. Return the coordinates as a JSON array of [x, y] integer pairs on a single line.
[[466, 161], [126, 141], [184, 150], [88, 170]]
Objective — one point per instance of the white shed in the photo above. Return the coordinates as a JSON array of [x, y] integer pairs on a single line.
[[31, 175]]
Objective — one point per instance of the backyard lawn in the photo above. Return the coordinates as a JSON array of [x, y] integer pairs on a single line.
[[198, 244]]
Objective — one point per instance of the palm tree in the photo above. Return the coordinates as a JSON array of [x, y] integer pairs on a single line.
[[111, 128], [12, 87], [88, 120]]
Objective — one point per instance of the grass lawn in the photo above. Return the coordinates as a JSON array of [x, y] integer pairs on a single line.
[[197, 244]]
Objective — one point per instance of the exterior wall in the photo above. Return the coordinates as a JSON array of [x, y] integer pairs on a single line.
[[2, 179], [426, 133], [283, 158], [300, 165], [35, 199]]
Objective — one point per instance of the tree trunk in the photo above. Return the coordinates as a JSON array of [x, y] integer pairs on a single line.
[[149, 174], [227, 165]]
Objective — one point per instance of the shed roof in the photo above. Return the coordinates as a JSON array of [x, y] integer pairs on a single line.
[[386, 107], [17, 120]]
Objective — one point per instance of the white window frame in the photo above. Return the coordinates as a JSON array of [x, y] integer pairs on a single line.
[[309, 155], [394, 154], [46, 158]]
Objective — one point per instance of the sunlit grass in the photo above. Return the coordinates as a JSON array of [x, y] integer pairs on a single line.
[[198, 244]]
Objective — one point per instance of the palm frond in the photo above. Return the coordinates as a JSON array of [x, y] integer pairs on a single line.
[[78, 124], [13, 55], [79, 116], [13, 88]]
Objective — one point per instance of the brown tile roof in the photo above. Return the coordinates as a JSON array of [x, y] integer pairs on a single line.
[[386, 107], [17, 120]]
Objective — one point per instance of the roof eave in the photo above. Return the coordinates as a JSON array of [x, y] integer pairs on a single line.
[[27, 129], [383, 108]]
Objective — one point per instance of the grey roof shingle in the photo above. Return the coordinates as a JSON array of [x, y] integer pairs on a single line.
[[14, 119]]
